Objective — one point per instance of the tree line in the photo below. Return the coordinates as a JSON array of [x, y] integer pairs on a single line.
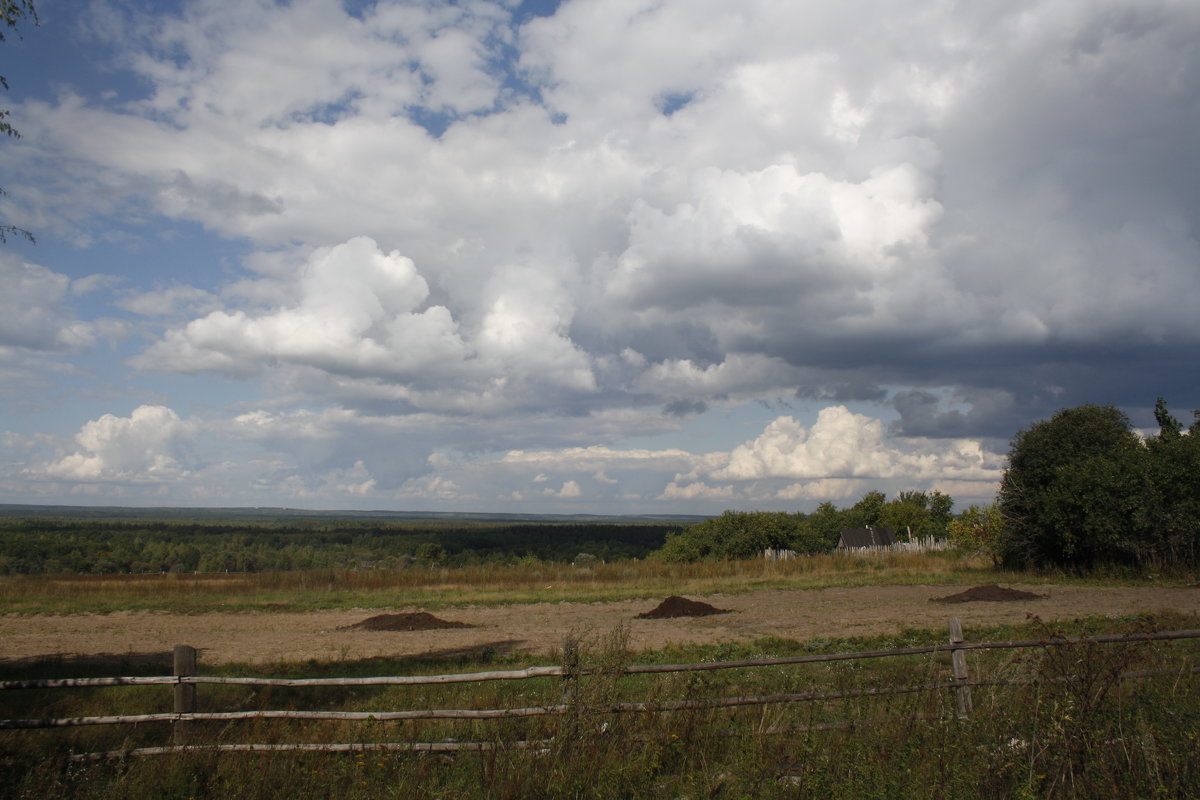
[[36, 545], [1082, 490], [746, 534]]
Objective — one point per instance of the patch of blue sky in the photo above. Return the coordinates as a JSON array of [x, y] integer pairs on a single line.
[[718, 428], [531, 9], [74, 390], [434, 122], [522, 11], [671, 102], [329, 113], [60, 55], [205, 395], [157, 255]]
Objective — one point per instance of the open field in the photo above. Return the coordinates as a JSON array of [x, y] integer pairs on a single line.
[[1032, 734], [509, 584], [537, 628]]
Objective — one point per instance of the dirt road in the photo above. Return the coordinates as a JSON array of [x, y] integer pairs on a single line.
[[794, 614]]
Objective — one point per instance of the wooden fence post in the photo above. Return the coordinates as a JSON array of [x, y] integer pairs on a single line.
[[958, 663], [570, 674], [185, 693]]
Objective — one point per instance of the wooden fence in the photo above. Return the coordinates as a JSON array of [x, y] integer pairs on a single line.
[[919, 545], [185, 681]]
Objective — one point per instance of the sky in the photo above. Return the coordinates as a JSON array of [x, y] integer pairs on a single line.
[[590, 256]]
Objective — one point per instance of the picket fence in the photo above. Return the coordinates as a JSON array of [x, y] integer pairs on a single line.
[[920, 545], [185, 681]]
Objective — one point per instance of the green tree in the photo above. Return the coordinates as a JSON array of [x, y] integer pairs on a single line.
[[907, 515], [978, 529], [867, 511], [917, 514], [740, 535], [11, 13], [827, 522], [1174, 465], [430, 554], [1075, 491], [940, 516]]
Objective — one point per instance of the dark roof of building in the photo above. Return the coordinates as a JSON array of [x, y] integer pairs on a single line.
[[867, 537]]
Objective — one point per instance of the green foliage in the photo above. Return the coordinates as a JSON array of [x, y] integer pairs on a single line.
[[13, 11], [866, 512], [1174, 468], [940, 516], [739, 534], [430, 553], [905, 515], [1082, 489], [827, 523], [979, 529]]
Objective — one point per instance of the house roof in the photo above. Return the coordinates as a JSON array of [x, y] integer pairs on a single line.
[[867, 537]]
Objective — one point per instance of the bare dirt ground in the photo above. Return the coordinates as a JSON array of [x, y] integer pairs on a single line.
[[326, 635]]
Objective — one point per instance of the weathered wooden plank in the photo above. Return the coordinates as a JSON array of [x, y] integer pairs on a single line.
[[82, 683], [958, 664], [355, 747], [557, 671], [488, 713], [185, 693]]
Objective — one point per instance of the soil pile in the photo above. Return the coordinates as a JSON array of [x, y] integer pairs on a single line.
[[988, 592], [414, 621], [675, 606]]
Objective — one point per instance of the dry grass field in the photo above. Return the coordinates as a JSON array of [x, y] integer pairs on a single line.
[[540, 627]]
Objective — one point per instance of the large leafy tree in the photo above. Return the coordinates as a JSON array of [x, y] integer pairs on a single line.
[[1174, 464], [867, 511], [12, 12], [1082, 489], [1074, 491], [827, 523]]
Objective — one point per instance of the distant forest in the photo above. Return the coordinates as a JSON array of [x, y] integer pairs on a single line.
[[99, 541], [85, 540]]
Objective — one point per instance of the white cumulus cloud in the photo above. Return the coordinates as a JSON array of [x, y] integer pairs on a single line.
[[842, 444], [145, 446]]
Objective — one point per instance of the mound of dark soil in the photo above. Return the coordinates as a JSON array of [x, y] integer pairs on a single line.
[[989, 592], [414, 621], [675, 606]]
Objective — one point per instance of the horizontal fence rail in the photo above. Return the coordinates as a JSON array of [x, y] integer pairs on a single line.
[[185, 683], [536, 711], [346, 747], [559, 672]]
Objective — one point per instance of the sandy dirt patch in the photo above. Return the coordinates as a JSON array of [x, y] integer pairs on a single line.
[[323, 635]]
